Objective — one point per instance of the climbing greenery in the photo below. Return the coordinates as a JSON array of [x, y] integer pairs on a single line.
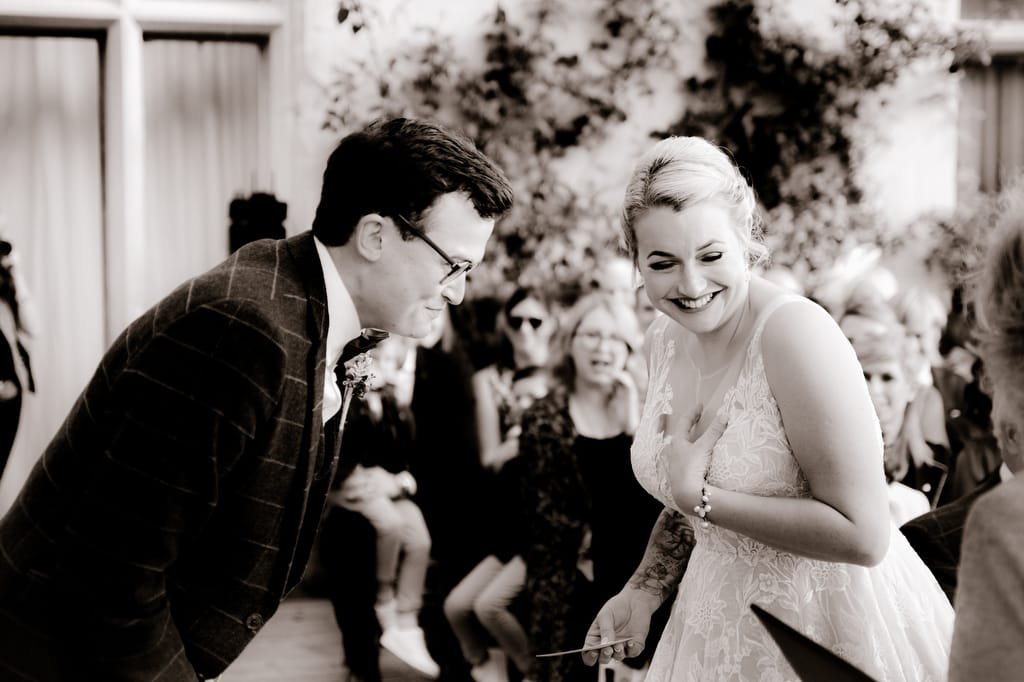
[[556, 75], [789, 110]]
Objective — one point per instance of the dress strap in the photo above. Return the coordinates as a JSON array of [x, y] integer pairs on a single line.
[[766, 312]]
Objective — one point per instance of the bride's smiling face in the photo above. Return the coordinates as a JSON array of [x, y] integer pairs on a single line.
[[693, 264]]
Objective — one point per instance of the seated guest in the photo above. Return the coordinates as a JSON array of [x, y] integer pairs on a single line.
[[989, 626], [479, 608], [880, 343], [380, 488]]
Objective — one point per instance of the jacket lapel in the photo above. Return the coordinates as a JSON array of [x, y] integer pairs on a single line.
[[301, 251]]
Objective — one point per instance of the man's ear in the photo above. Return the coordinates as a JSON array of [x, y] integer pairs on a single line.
[[368, 237]]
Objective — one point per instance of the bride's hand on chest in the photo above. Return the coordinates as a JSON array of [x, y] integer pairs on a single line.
[[688, 456]]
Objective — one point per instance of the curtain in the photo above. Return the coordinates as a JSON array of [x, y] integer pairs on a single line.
[[51, 211], [992, 123], [204, 101]]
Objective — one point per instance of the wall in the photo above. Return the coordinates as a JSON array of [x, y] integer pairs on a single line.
[[909, 167]]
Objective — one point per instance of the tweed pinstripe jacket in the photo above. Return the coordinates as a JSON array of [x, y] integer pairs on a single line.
[[177, 504], [937, 536]]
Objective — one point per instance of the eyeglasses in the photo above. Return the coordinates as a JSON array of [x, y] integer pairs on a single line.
[[594, 339], [458, 268], [516, 322]]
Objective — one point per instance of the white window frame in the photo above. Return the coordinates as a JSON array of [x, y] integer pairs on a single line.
[[124, 23], [1005, 37]]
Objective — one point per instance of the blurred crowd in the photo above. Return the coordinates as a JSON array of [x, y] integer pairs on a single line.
[[486, 505]]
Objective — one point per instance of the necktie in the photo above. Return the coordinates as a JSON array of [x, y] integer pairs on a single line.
[[366, 340]]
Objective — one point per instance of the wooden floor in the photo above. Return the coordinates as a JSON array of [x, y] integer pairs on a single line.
[[301, 643]]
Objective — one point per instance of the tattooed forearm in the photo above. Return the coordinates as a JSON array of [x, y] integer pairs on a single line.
[[666, 556]]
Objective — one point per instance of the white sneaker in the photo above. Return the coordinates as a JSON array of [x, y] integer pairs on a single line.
[[621, 671], [491, 670], [409, 646]]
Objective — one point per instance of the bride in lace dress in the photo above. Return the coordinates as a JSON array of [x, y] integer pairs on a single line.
[[759, 437]]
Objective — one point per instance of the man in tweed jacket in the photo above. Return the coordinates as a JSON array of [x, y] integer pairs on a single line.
[[178, 503]]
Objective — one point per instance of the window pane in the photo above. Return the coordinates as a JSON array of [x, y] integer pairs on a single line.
[[51, 202], [204, 101], [991, 129], [991, 9]]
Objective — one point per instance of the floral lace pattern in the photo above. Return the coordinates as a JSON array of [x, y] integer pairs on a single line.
[[649, 441], [891, 620]]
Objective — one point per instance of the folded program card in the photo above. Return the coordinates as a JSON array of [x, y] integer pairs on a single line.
[[591, 647]]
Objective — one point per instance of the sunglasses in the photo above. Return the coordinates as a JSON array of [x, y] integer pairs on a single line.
[[458, 267], [516, 322]]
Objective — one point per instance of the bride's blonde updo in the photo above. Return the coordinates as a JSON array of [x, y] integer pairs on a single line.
[[679, 172]]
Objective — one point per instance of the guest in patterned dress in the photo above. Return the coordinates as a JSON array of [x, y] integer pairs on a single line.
[[759, 437], [579, 484]]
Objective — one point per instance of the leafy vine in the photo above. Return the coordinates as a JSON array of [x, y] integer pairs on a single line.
[[788, 108], [785, 105]]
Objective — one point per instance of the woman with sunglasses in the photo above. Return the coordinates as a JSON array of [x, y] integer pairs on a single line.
[[482, 598], [527, 324]]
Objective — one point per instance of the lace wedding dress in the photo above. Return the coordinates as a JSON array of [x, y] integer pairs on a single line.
[[891, 620]]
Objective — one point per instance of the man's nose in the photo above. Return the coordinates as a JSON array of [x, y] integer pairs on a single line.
[[455, 291]]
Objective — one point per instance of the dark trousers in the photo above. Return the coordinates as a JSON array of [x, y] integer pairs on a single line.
[[348, 549]]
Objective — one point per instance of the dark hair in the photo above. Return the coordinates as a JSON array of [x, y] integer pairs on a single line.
[[520, 295], [506, 354], [400, 167]]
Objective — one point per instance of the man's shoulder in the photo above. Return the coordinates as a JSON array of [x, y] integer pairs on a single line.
[[996, 520], [264, 268], [268, 275], [1004, 504]]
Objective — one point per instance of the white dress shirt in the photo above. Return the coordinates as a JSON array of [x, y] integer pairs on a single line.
[[342, 326]]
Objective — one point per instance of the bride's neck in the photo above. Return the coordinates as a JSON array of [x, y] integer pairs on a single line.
[[715, 349]]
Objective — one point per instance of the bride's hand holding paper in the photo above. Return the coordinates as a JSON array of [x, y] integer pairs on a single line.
[[626, 615]]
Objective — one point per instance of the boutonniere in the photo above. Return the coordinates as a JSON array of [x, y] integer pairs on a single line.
[[358, 371]]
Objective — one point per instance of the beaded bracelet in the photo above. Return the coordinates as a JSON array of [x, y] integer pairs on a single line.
[[704, 508]]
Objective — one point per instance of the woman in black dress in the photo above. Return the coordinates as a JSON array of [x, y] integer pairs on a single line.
[[587, 514]]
